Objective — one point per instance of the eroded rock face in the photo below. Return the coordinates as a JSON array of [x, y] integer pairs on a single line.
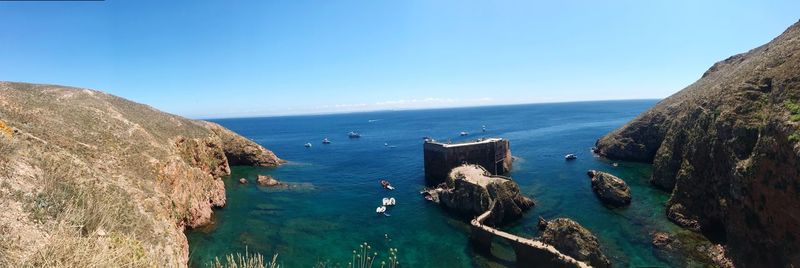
[[153, 173], [572, 239], [727, 148], [473, 190], [610, 189]]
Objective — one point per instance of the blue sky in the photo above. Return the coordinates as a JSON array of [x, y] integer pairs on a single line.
[[246, 58]]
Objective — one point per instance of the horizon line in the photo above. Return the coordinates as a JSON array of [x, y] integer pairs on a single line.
[[413, 109]]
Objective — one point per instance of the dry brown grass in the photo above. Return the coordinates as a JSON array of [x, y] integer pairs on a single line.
[[89, 224]]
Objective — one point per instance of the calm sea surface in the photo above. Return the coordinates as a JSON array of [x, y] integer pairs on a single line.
[[332, 208]]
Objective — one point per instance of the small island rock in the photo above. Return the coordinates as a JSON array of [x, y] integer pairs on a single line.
[[470, 190], [267, 180], [610, 189], [572, 239]]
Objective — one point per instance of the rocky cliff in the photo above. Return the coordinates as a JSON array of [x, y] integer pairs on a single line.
[[92, 180], [472, 189], [727, 148]]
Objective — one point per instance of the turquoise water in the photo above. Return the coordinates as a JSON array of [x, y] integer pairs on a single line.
[[331, 209]]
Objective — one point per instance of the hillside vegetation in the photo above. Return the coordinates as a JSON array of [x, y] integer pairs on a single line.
[[88, 179]]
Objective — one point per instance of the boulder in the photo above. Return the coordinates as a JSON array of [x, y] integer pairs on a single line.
[[267, 180], [610, 189], [242, 181], [572, 239], [471, 191]]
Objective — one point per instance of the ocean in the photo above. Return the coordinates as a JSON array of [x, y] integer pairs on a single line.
[[330, 210]]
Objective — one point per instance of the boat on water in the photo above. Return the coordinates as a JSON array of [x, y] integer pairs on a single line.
[[386, 185], [483, 128], [380, 210], [353, 135], [326, 141], [389, 201], [463, 133], [570, 157], [307, 145]]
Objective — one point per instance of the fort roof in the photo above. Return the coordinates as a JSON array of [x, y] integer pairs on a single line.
[[466, 143]]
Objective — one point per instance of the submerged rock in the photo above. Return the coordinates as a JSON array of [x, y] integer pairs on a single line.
[[610, 189], [574, 240], [267, 180], [471, 190]]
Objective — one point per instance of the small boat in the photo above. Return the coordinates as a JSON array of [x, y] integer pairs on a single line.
[[380, 209], [307, 145], [570, 157], [386, 185], [386, 144], [389, 201], [326, 141], [483, 128], [353, 135], [463, 133], [615, 164]]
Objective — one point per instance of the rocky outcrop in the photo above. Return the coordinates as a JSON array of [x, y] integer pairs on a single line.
[[241, 151], [727, 148], [572, 239], [686, 250], [471, 190], [611, 190], [267, 180], [81, 157]]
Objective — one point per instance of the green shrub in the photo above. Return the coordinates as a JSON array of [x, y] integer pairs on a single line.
[[245, 261], [794, 110], [795, 137]]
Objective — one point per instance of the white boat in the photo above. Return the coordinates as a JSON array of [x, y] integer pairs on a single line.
[[463, 133], [570, 157], [389, 201], [380, 209], [326, 141], [483, 128], [353, 135], [307, 145]]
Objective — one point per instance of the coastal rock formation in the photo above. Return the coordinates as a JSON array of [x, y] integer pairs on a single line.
[[610, 189], [76, 162], [267, 180], [241, 151], [572, 239], [727, 147], [687, 250], [471, 190]]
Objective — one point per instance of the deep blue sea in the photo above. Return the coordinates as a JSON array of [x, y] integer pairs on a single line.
[[332, 208]]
